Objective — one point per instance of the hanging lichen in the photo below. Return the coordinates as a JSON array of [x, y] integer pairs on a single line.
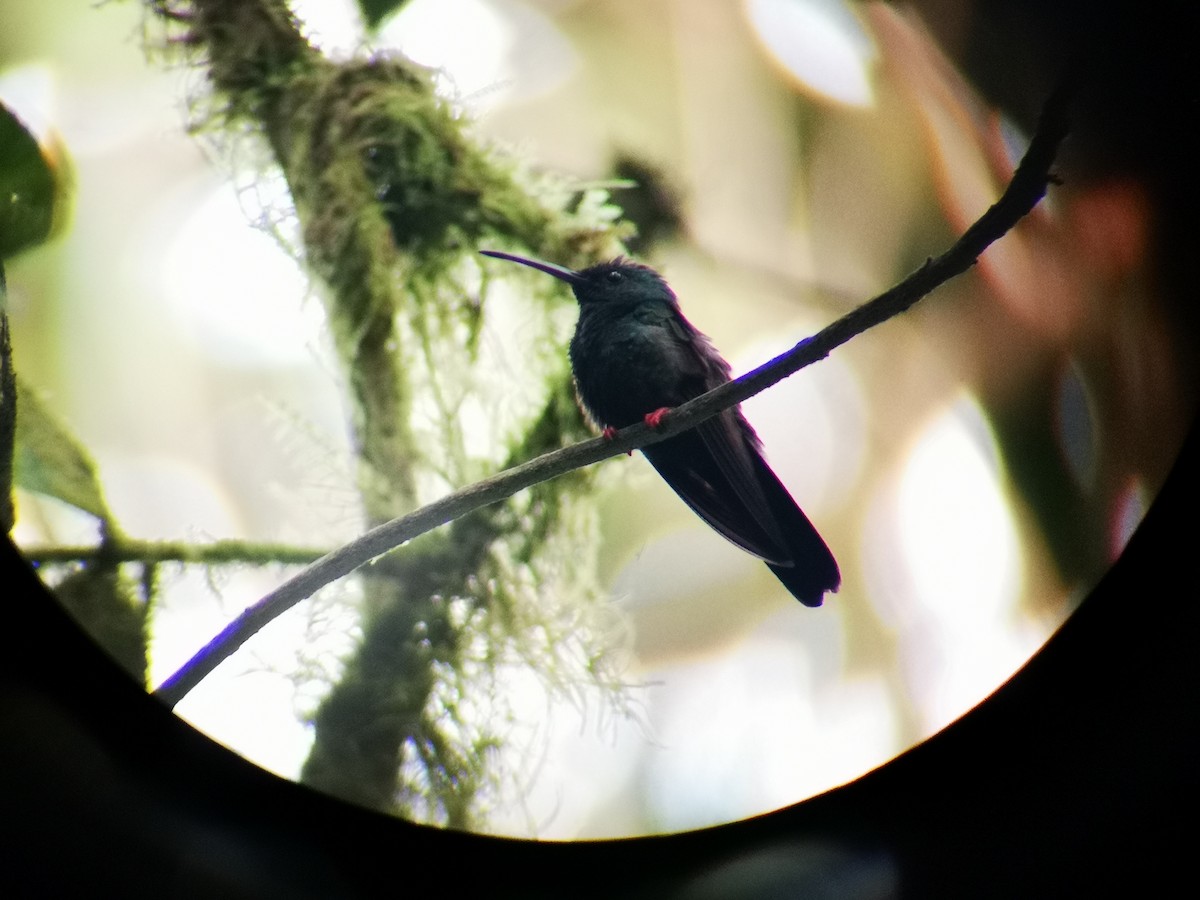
[[393, 197]]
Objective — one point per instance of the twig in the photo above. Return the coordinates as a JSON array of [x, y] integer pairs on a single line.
[[1023, 193], [126, 549]]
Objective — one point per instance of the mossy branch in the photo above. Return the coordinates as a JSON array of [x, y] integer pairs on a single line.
[[218, 553], [392, 196], [1023, 193]]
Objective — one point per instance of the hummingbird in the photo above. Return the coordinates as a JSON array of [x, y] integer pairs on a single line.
[[634, 357]]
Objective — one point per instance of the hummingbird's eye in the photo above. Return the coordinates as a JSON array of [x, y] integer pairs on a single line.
[[614, 276]]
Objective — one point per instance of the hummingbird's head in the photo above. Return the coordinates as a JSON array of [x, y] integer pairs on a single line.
[[620, 282], [617, 282]]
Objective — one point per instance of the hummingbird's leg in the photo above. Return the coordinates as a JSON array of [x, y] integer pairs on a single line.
[[654, 419]]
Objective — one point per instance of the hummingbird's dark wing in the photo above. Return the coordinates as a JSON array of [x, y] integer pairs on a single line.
[[719, 471], [735, 507]]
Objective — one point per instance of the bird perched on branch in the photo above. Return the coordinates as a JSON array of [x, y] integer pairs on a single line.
[[635, 357]]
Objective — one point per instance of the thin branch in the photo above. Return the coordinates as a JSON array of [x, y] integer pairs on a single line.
[[1026, 189], [218, 553]]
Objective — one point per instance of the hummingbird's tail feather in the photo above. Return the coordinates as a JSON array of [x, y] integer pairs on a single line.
[[745, 502], [805, 580], [813, 570]]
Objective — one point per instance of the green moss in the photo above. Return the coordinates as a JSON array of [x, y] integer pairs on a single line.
[[394, 196]]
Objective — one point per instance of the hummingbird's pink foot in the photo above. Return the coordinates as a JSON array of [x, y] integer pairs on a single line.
[[654, 419]]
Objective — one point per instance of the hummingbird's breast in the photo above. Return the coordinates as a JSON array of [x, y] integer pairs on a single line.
[[627, 363]]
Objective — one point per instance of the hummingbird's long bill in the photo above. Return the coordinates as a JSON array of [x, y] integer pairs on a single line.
[[561, 272]]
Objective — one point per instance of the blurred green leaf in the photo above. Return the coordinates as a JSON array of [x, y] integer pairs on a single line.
[[27, 188], [375, 11], [49, 459]]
